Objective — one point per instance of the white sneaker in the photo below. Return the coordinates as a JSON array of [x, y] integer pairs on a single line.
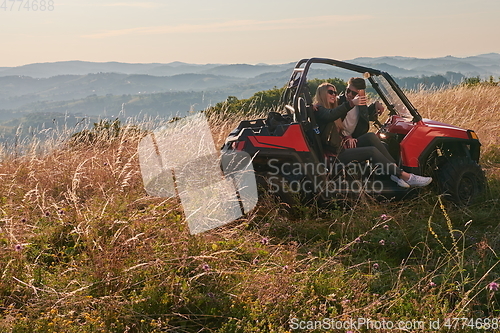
[[400, 181], [418, 181]]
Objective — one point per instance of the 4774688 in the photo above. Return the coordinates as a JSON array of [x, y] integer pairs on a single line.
[[27, 5]]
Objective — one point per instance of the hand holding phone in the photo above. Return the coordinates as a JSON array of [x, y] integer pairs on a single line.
[[362, 97]]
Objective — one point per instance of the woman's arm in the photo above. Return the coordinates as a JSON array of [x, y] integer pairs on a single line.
[[325, 115]]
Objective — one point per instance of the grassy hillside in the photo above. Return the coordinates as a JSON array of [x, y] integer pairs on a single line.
[[84, 249]]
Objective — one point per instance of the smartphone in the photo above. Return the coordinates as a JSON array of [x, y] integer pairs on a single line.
[[361, 93]]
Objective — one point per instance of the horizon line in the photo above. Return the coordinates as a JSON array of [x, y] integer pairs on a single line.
[[235, 63]]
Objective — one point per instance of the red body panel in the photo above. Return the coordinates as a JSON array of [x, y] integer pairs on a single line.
[[398, 125], [419, 135], [293, 138]]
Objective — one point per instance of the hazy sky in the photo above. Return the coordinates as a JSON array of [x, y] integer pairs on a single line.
[[252, 31]]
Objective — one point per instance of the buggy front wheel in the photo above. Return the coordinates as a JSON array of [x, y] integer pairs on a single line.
[[462, 180]]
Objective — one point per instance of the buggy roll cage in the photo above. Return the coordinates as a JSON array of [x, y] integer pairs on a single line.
[[297, 86]]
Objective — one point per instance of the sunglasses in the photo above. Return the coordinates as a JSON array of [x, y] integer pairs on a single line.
[[332, 92], [354, 93]]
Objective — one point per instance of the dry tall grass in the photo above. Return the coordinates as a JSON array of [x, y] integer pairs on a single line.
[[84, 249], [476, 108]]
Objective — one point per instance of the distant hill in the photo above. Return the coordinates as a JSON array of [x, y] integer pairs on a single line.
[[178, 68], [481, 65], [111, 88], [247, 71], [65, 114], [46, 70], [68, 80], [49, 69], [16, 91]]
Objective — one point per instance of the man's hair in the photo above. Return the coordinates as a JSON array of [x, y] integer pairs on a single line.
[[357, 82]]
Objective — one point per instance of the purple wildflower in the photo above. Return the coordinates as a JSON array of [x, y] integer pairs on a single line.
[[358, 240], [205, 267], [265, 241], [381, 242], [376, 266], [386, 227], [432, 284], [493, 286], [18, 247], [384, 217]]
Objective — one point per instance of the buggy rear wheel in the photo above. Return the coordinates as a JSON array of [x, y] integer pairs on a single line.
[[292, 191]]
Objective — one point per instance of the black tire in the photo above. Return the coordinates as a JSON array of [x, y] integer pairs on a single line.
[[284, 191], [461, 180]]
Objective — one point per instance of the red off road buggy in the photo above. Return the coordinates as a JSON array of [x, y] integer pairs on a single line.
[[290, 161]]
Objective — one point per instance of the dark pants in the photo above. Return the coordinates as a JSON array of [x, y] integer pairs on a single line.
[[369, 147]]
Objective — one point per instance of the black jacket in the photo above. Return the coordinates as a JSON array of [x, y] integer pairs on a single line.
[[325, 118], [365, 115]]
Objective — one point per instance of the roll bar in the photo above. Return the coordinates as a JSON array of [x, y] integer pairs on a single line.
[[298, 80]]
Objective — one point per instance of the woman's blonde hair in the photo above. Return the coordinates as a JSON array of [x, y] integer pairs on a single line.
[[322, 94], [321, 98]]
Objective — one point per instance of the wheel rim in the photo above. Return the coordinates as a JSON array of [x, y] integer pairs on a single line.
[[467, 188]]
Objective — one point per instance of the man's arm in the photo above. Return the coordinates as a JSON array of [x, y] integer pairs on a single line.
[[374, 110]]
